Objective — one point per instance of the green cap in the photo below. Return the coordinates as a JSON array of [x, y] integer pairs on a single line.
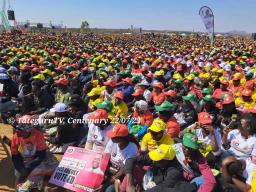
[[68, 68], [190, 140], [207, 91], [190, 97], [178, 81], [208, 98], [105, 105], [249, 74], [196, 73], [165, 106]]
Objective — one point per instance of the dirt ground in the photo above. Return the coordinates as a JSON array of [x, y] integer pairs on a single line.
[[6, 168]]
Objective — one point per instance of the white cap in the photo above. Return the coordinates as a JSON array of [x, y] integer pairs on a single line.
[[142, 105], [227, 67], [201, 64], [247, 69], [4, 76], [59, 108], [144, 82], [2, 69]]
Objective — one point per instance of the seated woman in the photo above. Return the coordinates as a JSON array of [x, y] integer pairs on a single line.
[[30, 157], [241, 141], [121, 147]]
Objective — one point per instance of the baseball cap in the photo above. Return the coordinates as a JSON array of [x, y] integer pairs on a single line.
[[128, 80], [208, 98], [39, 76], [247, 92], [225, 82], [190, 77], [119, 95], [4, 76], [110, 82], [62, 81], [59, 108], [171, 93], [105, 105], [227, 100], [204, 118], [163, 152], [190, 140], [98, 114], [158, 85], [165, 106], [207, 91], [190, 97], [138, 92], [119, 130], [157, 125]]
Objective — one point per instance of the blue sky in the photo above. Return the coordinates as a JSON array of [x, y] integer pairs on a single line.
[[148, 14]]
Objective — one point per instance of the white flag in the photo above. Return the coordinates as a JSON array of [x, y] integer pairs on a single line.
[[208, 20]]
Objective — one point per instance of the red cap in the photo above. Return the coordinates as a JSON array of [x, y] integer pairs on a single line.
[[138, 92], [59, 68], [98, 114], [158, 85], [72, 73], [128, 80], [204, 118], [124, 61], [119, 130], [119, 95], [74, 66], [247, 92], [135, 62], [62, 81], [85, 69], [110, 82], [171, 93], [227, 100]]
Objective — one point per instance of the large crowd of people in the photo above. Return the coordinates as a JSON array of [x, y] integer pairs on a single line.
[[173, 112]]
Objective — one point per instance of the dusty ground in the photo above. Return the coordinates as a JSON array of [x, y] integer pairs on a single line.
[[6, 168]]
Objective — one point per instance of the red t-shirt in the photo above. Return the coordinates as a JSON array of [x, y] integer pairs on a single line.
[[27, 147]]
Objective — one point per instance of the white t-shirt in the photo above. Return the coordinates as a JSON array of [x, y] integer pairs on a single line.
[[239, 146], [118, 156], [249, 170], [207, 140], [98, 137]]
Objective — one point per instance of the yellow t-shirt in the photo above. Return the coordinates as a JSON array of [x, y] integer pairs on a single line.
[[92, 103], [149, 144], [247, 105], [120, 110], [253, 185]]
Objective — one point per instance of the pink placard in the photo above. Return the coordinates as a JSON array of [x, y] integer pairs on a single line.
[[80, 170]]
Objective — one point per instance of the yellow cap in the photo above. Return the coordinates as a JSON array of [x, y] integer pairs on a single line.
[[47, 71], [190, 77], [94, 91], [103, 73], [102, 65], [157, 125], [220, 71], [214, 70], [92, 65], [159, 73], [177, 76], [163, 152], [40, 77]]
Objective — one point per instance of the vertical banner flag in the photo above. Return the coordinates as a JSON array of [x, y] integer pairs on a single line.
[[208, 20]]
